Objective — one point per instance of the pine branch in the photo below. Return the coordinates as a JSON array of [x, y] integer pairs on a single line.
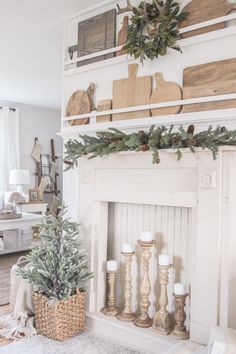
[[155, 139]]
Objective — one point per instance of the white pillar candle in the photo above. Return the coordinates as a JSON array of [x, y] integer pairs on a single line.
[[164, 260], [127, 248], [147, 236], [180, 289], [112, 266]]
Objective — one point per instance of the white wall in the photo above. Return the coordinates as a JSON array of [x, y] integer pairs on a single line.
[[43, 123]]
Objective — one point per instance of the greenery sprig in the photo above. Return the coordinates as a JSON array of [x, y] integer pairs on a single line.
[[156, 139], [154, 29]]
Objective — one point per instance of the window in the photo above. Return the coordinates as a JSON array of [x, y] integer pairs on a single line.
[[9, 144]]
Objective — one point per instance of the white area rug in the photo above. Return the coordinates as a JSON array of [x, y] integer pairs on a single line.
[[85, 343], [187, 348]]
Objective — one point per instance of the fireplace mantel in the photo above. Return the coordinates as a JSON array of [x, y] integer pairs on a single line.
[[198, 182]]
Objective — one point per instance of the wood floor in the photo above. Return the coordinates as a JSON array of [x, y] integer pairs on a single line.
[[4, 310]]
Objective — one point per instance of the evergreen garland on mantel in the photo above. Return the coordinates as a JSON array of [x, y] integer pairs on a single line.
[[157, 138]]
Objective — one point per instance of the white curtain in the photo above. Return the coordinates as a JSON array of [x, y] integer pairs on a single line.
[[9, 145]]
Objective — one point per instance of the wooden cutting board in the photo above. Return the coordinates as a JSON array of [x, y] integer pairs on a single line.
[[81, 102], [165, 91], [122, 35], [133, 91], [104, 105], [204, 10], [216, 78]]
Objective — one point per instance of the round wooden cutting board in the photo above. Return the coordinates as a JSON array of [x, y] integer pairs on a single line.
[[165, 91], [79, 103]]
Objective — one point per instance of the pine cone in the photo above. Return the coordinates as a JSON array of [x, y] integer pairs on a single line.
[[144, 147], [67, 162], [174, 141], [190, 129], [193, 142], [142, 133]]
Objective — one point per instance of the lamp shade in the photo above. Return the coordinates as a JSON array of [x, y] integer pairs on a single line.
[[19, 177]]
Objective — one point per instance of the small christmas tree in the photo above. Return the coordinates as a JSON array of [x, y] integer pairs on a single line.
[[58, 264]]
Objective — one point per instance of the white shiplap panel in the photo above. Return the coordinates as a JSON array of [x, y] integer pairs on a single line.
[[171, 228]]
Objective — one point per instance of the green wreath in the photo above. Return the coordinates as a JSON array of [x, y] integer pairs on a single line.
[[153, 29]]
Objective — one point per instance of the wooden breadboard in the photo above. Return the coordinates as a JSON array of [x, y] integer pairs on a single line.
[[133, 91]]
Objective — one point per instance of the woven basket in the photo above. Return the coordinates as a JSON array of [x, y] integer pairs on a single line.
[[62, 319]]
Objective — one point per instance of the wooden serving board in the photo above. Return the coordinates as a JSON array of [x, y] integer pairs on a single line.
[[216, 78], [104, 105], [10, 216], [122, 35], [204, 10], [79, 103], [96, 34], [165, 91], [133, 91]]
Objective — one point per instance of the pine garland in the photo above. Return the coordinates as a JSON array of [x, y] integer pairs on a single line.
[[157, 138], [58, 264]]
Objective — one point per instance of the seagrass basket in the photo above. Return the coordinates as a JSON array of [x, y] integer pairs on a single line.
[[62, 319]]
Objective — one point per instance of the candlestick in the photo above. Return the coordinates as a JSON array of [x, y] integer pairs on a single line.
[[179, 331], [146, 236], [127, 314], [127, 248], [144, 320], [164, 260], [162, 322], [112, 266], [180, 289], [110, 308]]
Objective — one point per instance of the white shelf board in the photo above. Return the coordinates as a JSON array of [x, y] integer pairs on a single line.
[[99, 64], [93, 55], [221, 117], [182, 102]]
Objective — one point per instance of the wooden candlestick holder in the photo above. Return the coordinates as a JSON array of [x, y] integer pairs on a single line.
[[144, 320], [162, 321], [110, 309], [127, 315], [179, 331]]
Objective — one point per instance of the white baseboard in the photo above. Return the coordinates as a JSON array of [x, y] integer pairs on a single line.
[[145, 340], [200, 333]]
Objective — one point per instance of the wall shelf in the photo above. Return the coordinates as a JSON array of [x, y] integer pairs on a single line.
[[209, 36], [214, 117], [92, 115]]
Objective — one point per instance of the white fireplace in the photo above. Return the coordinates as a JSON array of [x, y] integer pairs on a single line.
[[189, 204]]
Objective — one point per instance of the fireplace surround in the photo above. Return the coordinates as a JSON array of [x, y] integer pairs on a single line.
[[205, 187]]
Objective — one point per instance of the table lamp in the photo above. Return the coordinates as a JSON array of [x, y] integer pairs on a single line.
[[19, 178]]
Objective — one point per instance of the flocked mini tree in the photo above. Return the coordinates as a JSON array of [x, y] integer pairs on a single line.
[[58, 264]]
